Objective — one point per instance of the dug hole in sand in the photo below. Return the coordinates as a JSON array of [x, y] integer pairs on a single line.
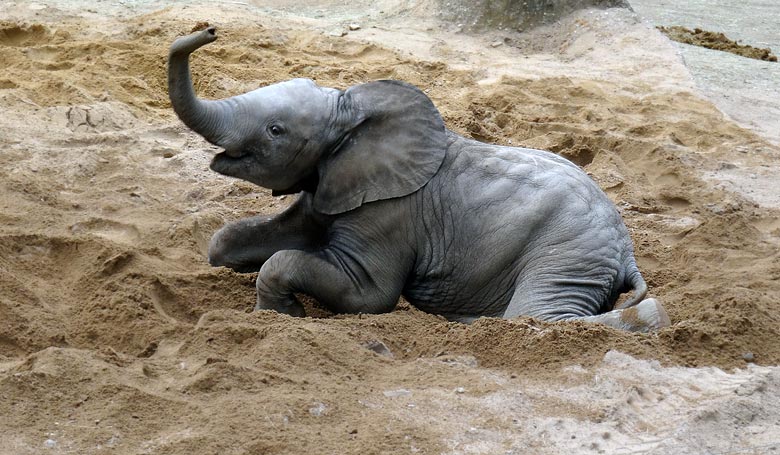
[[117, 337]]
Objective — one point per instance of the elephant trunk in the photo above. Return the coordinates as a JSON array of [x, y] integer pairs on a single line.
[[211, 119]]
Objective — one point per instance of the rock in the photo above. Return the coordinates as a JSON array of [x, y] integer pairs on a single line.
[[378, 347], [338, 33], [165, 152], [397, 393], [496, 44], [353, 27], [748, 357], [511, 14], [318, 409]]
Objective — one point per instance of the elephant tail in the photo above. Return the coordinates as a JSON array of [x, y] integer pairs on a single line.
[[635, 282]]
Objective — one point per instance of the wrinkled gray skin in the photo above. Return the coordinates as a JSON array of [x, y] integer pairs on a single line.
[[391, 203]]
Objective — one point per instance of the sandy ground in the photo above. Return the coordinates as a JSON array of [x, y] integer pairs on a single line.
[[117, 337]]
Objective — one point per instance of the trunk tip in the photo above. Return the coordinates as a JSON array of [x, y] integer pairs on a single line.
[[204, 26], [201, 34], [209, 34]]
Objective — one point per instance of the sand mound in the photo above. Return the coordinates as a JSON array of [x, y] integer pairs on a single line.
[[116, 335]]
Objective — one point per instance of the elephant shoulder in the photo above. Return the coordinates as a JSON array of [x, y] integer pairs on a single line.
[[485, 173], [498, 161]]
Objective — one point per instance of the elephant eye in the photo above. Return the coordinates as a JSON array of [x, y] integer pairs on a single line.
[[275, 130]]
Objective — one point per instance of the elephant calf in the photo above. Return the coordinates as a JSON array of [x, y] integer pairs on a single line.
[[392, 203]]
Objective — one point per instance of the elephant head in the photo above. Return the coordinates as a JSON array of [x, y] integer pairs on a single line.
[[373, 141]]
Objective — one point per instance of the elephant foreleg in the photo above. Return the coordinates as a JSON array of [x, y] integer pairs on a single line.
[[336, 280], [245, 245]]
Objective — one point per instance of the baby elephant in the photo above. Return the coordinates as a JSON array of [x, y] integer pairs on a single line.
[[392, 203]]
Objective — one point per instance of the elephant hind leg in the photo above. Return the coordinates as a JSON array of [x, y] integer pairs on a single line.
[[584, 299], [647, 316]]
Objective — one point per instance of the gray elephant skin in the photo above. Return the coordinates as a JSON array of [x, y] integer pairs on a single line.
[[392, 203]]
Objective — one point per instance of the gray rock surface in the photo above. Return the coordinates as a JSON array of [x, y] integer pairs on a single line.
[[515, 14]]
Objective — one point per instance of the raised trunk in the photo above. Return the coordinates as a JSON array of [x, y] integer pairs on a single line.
[[210, 119]]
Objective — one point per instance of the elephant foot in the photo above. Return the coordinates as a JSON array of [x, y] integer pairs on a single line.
[[647, 316], [287, 305]]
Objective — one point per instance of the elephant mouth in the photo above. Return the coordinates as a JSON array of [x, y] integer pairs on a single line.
[[234, 154], [308, 184], [227, 163]]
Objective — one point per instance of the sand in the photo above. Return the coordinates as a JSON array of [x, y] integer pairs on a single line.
[[116, 336]]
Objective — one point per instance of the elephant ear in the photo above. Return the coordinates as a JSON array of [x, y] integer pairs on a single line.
[[396, 142]]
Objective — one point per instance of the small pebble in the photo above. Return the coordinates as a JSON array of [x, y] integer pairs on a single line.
[[748, 357], [318, 409], [397, 393]]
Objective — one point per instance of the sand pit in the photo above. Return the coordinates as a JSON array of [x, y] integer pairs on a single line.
[[117, 337]]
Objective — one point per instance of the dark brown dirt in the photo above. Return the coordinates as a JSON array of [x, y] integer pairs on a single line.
[[717, 41]]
